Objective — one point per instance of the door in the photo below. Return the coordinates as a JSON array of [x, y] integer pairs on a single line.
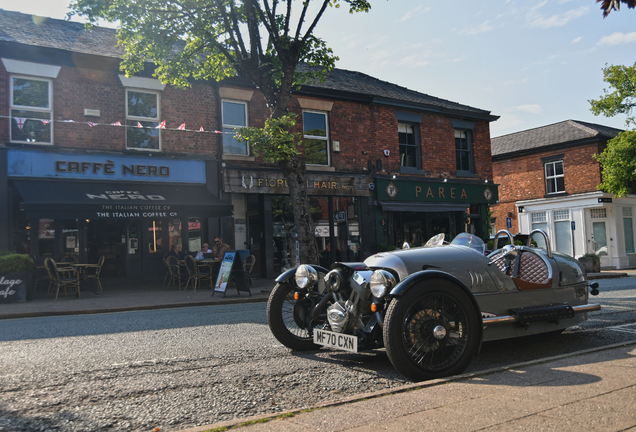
[[597, 240]]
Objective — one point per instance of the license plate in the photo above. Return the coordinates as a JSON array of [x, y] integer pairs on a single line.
[[336, 340]]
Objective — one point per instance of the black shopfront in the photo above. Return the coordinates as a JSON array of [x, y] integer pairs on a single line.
[[130, 209]]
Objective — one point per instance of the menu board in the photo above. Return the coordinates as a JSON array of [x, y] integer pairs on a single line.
[[231, 273]]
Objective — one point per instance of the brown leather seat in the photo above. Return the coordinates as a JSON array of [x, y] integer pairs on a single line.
[[529, 271]]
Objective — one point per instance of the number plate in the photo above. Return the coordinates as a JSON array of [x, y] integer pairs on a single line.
[[336, 340]]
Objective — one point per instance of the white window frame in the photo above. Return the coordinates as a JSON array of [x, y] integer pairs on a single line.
[[319, 138], [554, 177], [232, 126], [143, 119], [29, 108]]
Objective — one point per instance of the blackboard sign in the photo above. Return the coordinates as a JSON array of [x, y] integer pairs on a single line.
[[231, 274]]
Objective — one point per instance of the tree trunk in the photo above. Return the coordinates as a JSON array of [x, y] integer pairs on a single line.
[[294, 171]]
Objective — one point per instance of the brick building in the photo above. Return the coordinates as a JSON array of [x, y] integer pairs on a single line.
[[385, 164], [79, 176], [547, 179]]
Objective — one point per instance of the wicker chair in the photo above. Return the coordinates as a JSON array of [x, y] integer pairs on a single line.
[[172, 262], [195, 274], [92, 271], [62, 277]]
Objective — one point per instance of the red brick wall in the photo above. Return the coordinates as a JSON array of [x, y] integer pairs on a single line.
[[522, 178], [76, 89]]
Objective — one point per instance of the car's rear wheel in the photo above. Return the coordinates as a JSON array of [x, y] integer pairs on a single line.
[[288, 318], [432, 331]]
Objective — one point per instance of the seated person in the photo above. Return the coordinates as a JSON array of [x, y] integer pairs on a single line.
[[204, 249], [176, 251], [219, 248]]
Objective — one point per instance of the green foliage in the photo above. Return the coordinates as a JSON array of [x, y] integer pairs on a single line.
[[274, 143], [618, 164], [13, 262], [622, 79]]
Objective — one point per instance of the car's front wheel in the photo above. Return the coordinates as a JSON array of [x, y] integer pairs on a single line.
[[432, 331], [288, 318]]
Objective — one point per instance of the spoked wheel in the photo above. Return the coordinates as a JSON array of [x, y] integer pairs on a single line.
[[432, 331], [288, 318]]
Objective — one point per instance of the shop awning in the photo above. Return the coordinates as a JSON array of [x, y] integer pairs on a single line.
[[105, 200], [422, 207]]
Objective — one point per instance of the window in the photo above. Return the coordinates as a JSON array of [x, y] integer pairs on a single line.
[[31, 110], [554, 179], [563, 231], [315, 138], [409, 145], [628, 227], [539, 221], [234, 117], [463, 151], [142, 120]]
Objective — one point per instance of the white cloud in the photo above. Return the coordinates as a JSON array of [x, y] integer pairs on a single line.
[[481, 28], [506, 124], [538, 20], [529, 108], [414, 60], [415, 12], [577, 40], [618, 38]]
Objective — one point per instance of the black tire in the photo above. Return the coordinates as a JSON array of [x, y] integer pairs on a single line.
[[409, 326], [286, 318]]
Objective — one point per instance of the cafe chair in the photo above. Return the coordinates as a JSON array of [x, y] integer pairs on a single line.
[[172, 262], [248, 265], [41, 274], [70, 259], [62, 277], [92, 271], [195, 275]]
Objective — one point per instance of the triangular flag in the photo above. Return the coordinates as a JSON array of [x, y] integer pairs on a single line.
[[201, 130], [116, 124], [45, 122], [216, 131], [91, 124], [139, 125], [182, 127], [162, 125], [68, 121], [20, 121]]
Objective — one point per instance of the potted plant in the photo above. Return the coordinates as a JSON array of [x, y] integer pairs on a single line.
[[15, 276], [590, 262]]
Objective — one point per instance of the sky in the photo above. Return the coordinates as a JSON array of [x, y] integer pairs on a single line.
[[532, 62]]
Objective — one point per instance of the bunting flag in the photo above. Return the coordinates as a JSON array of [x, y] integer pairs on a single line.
[[162, 125], [139, 125], [45, 122], [201, 130], [216, 131], [182, 127], [116, 124], [91, 124], [20, 121], [68, 121]]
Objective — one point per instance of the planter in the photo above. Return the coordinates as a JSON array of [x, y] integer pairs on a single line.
[[13, 287], [590, 264]]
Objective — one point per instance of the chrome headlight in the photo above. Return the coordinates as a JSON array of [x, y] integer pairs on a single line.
[[334, 280], [381, 283], [306, 276]]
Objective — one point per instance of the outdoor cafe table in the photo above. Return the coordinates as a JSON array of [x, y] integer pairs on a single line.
[[211, 263]]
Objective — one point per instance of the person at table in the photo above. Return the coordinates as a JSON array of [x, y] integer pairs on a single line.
[[177, 252], [219, 248], [204, 249]]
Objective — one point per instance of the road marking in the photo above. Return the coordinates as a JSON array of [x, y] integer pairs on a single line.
[[623, 328]]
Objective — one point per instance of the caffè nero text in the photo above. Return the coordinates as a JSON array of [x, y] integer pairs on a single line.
[[109, 168]]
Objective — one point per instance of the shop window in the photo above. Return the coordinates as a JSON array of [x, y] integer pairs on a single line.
[[554, 178], [463, 151], [194, 234], [539, 221], [70, 237], [316, 138], [142, 120], [31, 110], [174, 232], [155, 237], [409, 145], [234, 115], [46, 237], [628, 228], [562, 231]]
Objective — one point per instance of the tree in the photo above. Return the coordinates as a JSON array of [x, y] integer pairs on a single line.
[[618, 160], [608, 5], [218, 39]]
